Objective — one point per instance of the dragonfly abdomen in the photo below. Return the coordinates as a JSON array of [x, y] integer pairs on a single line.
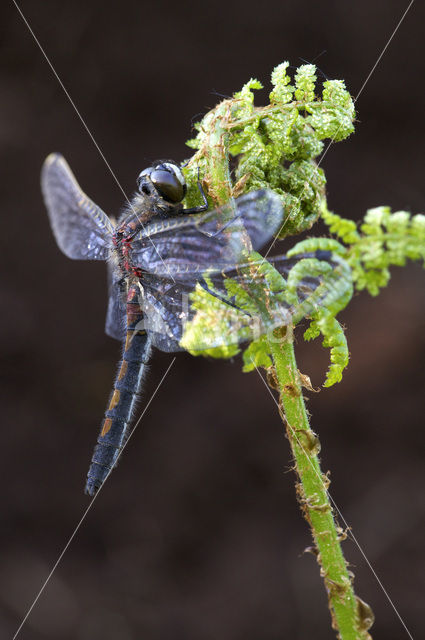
[[115, 425]]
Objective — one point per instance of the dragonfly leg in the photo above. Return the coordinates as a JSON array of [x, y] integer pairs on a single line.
[[200, 208]]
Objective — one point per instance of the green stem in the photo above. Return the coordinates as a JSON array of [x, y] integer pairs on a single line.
[[215, 150], [350, 616]]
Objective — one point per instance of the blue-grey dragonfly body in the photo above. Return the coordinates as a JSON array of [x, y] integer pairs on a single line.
[[157, 253]]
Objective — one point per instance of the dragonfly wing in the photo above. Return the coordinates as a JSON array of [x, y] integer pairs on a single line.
[[162, 317], [82, 230], [115, 325], [262, 215], [168, 309], [216, 237]]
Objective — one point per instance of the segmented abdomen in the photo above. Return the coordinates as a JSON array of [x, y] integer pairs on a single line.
[[115, 426]]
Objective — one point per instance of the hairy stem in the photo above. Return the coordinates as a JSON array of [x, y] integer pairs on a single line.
[[350, 616], [215, 150]]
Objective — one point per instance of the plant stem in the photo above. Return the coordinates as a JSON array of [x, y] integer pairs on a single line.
[[350, 616], [215, 149]]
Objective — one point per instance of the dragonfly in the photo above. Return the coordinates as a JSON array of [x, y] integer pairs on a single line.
[[157, 253]]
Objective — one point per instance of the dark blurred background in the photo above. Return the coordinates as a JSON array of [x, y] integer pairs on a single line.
[[198, 534]]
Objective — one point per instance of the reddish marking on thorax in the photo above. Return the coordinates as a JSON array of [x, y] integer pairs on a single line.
[[122, 240]]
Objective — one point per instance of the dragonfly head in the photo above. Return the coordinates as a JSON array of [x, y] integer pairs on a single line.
[[163, 184]]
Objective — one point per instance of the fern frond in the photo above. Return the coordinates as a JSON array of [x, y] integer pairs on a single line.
[[277, 144], [334, 339], [386, 239]]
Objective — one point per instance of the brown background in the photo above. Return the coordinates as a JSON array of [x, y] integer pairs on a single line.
[[198, 535]]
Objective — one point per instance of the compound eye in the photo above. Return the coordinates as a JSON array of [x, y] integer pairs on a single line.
[[145, 172], [168, 185]]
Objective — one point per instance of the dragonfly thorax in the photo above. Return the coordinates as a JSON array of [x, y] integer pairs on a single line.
[[157, 263], [161, 189], [122, 241]]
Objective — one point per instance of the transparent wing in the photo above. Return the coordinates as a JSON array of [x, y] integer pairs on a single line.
[[216, 238], [115, 325], [236, 304], [82, 230]]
